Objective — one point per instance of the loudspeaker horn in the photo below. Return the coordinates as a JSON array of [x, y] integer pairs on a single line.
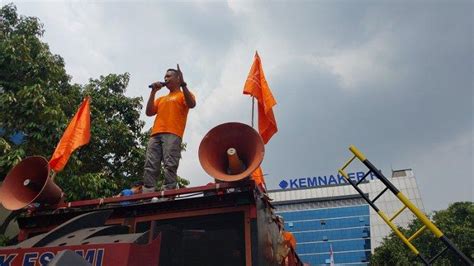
[[29, 181], [231, 151]]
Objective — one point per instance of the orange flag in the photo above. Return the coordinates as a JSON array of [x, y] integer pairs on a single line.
[[257, 86], [289, 239], [77, 134], [257, 176]]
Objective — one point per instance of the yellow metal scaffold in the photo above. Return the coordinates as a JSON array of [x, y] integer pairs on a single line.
[[427, 224]]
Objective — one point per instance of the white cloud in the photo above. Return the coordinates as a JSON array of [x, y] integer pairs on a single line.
[[72, 36], [446, 168], [241, 6], [361, 66]]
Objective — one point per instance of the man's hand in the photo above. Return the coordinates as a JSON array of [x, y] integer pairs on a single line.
[[190, 102], [181, 78], [156, 86]]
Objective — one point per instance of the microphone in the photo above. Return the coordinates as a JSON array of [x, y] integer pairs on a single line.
[[162, 84]]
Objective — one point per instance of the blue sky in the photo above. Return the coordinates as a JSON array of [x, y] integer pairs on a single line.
[[393, 78]]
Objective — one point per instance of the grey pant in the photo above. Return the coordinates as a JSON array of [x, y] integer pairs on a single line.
[[162, 148]]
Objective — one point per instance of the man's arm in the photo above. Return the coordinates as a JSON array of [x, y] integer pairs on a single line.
[[150, 106], [190, 102]]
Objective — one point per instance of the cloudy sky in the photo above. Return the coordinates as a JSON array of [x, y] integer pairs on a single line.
[[394, 78]]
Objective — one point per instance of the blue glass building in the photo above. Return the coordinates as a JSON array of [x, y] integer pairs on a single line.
[[325, 211], [316, 229]]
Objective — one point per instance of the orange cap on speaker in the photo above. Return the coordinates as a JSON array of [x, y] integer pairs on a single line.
[[235, 164]]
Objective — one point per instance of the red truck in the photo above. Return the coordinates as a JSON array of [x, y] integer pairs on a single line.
[[216, 224]]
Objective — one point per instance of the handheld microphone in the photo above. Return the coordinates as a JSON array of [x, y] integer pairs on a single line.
[[162, 84]]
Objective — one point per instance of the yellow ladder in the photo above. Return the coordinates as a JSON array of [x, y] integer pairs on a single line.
[[427, 224]]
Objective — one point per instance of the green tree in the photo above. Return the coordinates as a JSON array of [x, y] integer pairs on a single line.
[[35, 96], [456, 222], [3, 240]]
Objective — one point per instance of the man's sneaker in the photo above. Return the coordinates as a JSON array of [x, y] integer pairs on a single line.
[[148, 189], [170, 187]]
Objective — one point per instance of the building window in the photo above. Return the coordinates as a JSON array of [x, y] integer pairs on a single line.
[[290, 224], [325, 238]]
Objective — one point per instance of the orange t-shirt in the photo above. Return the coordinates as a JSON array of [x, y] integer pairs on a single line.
[[171, 114]]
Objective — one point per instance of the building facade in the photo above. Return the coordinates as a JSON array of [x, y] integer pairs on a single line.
[[330, 220]]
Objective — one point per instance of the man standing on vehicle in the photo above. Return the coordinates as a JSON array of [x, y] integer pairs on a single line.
[[164, 146]]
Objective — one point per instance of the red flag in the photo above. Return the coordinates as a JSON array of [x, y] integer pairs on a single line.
[[76, 135], [257, 86]]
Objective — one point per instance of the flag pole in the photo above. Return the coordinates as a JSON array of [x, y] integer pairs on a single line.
[[253, 108]]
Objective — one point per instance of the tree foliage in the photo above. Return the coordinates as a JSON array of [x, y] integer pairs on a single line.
[[3, 240], [456, 222], [35, 93], [37, 100]]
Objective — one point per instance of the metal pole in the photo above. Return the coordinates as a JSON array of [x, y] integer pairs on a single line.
[[253, 108]]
